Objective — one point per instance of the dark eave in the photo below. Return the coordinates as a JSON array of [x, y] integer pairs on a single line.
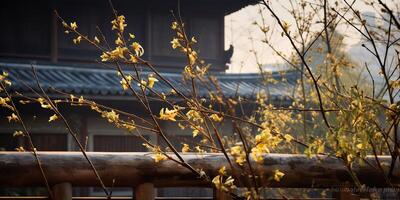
[[105, 83]]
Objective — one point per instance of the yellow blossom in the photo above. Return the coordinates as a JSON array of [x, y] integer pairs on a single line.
[[139, 51], [118, 52], [166, 114], [195, 116], [13, 117], [175, 43], [164, 97], [3, 76], [198, 149], [96, 39], [238, 153], [111, 116], [53, 118], [174, 25], [194, 40], [133, 58], [216, 118], [159, 157], [119, 23], [278, 175], [258, 152], [77, 40], [119, 42], [142, 84], [152, 80], [192, 57], [195, 132], [20, 149], [126, 82], [18, 133], [288, 137], [185, 148], [7, 82], [105, 57], [132, 36], [222, 185], [73, 26], [222, 171], [4, 101]]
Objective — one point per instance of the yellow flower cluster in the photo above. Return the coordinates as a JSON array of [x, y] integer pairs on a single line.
[[195, 116], [265, 141], [3, 78], [111, 116], [216, 118], [238, 153], [158, 154], [126, 82], [13, 117], [166, 114], [117, 53], [4, 103], [222, 183], [119, 23]]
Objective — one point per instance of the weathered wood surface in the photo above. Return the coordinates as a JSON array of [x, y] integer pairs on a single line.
[[132, 169]]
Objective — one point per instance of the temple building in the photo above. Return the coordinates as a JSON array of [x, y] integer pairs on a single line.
[[32, 35]]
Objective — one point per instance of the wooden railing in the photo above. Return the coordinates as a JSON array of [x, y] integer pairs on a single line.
[[65, 170]]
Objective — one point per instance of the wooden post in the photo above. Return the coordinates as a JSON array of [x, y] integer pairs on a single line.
[[220, 195], [345, 194], [62, 191], [144, 191]]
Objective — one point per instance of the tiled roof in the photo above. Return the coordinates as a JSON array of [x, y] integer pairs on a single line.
[[106, 83]]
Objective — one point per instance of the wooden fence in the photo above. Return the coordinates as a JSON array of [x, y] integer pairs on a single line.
[[65, 170]]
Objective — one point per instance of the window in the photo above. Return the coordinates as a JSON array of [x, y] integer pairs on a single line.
[[206, 30], [88, 16], [162, 35], [48, 142], [207, 33], [25, 28], [8, 142], [118, 143]]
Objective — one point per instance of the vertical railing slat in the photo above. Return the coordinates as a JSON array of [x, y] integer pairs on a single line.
[[62, 191], [220, 195], [144, 191]]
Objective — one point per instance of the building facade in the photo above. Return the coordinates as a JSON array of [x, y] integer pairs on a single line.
[[32, 35]]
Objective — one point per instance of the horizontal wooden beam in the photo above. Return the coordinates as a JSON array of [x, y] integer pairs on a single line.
[[132, 169]]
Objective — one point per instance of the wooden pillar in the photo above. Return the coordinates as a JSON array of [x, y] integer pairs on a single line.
[[220, 195], [144, 191], [62, 191], [345, 194]]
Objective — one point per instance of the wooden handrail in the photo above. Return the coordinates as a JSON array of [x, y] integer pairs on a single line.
[[131, 169]]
